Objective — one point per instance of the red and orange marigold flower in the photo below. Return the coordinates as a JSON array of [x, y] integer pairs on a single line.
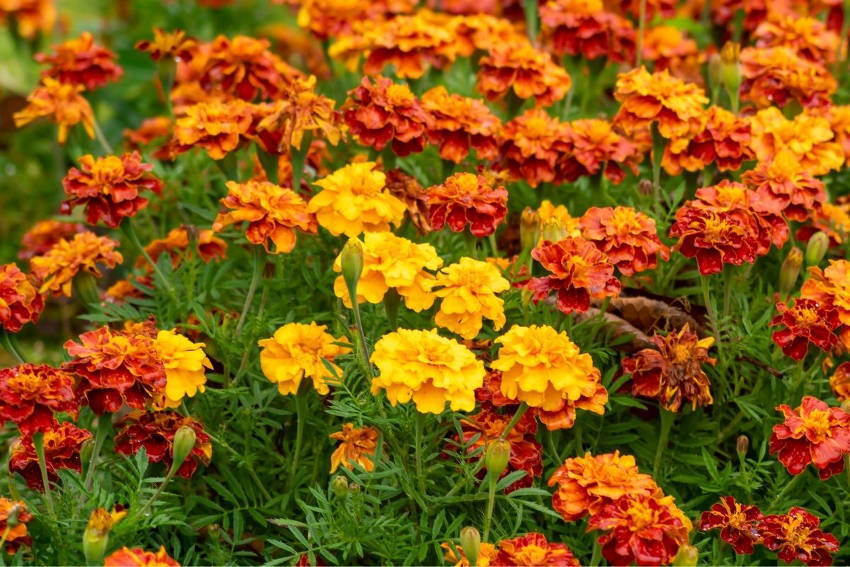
[[778, 75], [61, 103], [830, 286], [168, 45], [217, 127], [356, 445], [14, 517], [31, 393], [533, 549], [839, 382], [809, 37], [56, 268], [809, 136], [44, 234], [524, 69], [627, 237], [796, 536], [176, 242], [722, 139], [584, 27], [62, 445], [461, 124], [739, 523], [594, 146], [785, 185], [533, 144], [80, 61], [813, 433], [477, 200], [154, 430], [20, 301], [126, 557], [805, 322]]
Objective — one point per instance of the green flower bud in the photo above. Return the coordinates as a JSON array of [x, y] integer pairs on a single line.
[[470, 542], [496, 457], [816, 248], [184, 442], [742, 445], [351, 259], [339, 485], [790, 271], [529, 228], [553, 231], [687, 556]]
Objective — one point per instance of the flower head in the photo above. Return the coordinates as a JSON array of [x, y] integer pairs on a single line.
[[777, 75], [524, 69], [31, 393], [594, 146], [216, 126], [56, 268], [356, 445], [830, 287], [796, 536], [807, 36], [533, 549], [739, 523], [478, 200], [80, 61], [839, 382], [785, 185], [176, 241], [184, 363], [62, 444], [809, 136], [427, 368], [297, 351], [43, 235], [168, 45], [20, 301], [62, 103], [126, 557], [628, 237], [244, 67], [334, 18], [31, 16], [461, 124], [814, 433], [533, 145], [155, 430], [722, 138], [468, 290], [584, 27], [806, 321]]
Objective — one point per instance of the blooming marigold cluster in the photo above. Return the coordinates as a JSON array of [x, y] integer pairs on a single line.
[[527, 71], [468, 290], [579, 273], [461, 124], [627, 237], [813, 433], [584, 27], [594, 146], [14, 517], [61, 103], [354, 200], [356, 445], [126, 557], [216, 126], [109, 187], [273, 214], [390, 261], [722, 139], [20, 301], [184, 363], [777, 75], [62, 445], [154, 430], [806, 322], [808, 136], [31, 393], [80, 61], [784, 185], [533, 145], [545, 369], [477, 200], [56, 268], [672, 371], [739, 523], [534, 549], [429, 369], [297, 351], [44, 235]]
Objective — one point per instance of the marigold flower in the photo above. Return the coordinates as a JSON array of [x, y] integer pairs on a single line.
[[670, 48], [184, 363], [116, 367], [584, 27], [207, 244], [14, 512], [155, 430], [722, 139], [785, 185], [126, 557], [658, 98], [20, 301], [832, 220], [486, 554], [579, 273], [830, 287], [168, 45], [533, 144], [533, 549], [559, 214], [381, 112], [333, 18], [739, 523], [468, 289], [672, 371], [60, 102], [545, 369], [109, 187], [808, 136], [57, 267], [528, 71], [809, 37], [390, 261], [31, 393], [44, 235], [31, 16], [216, 126], [427, 368], [297, 351], [662, 8], [806, 321], [478, 200], [80, 61], [594, 146], [777, 75], [796, 536], [483, 32], [460, 124], [628, 237], [356, 445], [813, 433], [62, 445], [642, 529], [839, 382]]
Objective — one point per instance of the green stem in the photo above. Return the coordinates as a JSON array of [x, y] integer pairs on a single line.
[[494, 248], [361, 334], [417, 450], [104, 424], [520, 411], [130, 232], [38, 443], [663, 437], [597, 552], [491, 504], [298, 157], [10, 341], [712, 313], [101, 138], [641, 30], [143, 510], [300, 416], [257, 272], [530, 7]]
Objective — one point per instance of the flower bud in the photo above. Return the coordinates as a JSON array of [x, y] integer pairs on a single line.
[[184, 442], [339, 485], [96, 535], [816, 248], [714, 67], [351, 259], [553, 230], [496, 457], [525, 296], [645, 187], [730, 68], [354, 488], [742, 445], [845, 405], [470, 542], [687, 556], [790, 271], [529, 228], [86, 450]]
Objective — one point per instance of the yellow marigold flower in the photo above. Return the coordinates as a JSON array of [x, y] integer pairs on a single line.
[[353, 200], [808, 136], [56, 268], [357, 444], [469, 289], [297, 351], [184, 363], [62, 103], [390, 261], [427, 368]]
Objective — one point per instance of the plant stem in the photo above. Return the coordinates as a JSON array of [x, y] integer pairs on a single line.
[[104, 424], [10, 341], [417, 451], [38, 443], [641, 29], [252, 287], [98, 133], [364, 347], [663, 437], [712, 314], [300, 398], [520, 411], [491, 504], [160, 488], [530, 7]]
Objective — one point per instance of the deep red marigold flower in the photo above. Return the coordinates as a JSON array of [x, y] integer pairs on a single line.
[[56, 269], [813, 433], [116, 367], [796, 536], [14, 518], [479, 201], [381, 112], [739, 523], [641, 529], [785, 185], [216, 126], [584, 27], [533, 549], [806, 321], [461, 124], [628, 237], [154, 430], [777, 75], [579, 272], [126, 557], [672, 371], [61, 103], [528, 71], [61, 451], [20, 301], [44, 235], [109, 187], [81, 61], [31, 393], [594, 146], [722, 139], [168, 45], [533, 144]]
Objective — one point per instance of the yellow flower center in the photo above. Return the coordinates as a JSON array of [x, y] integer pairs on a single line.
[[817, 422], [531, 555], [641, 517], [796, 534], [26, 383], [399, 94]]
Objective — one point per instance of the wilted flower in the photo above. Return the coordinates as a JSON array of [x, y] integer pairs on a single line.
[[61, 103], [356, 445], [14, 517], [56, 268], [777, 75], [461, 124], [739, 523], [796, 536], [722, 139], [479, 200], [533, 549], [468, 289], [125, 557], [528, 71], [297, 351], [62, 445], [185, 364], [20, 301], [168, 45], [584, 27], [594, 146], [155, 431], [806, 321], [533, 144], [31, 393], [80, 61], [216, 126], [628, 237]]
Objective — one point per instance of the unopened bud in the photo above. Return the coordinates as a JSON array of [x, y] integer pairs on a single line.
[[354, 488], [351, 259], [339, 485], [730, 68], [742, 445], [687, 556], [96, 536], [470, 542], [496, 457], [184, 442], [816, 248], [845, 405], [553, 230], [529, 228], [714, 69], [790, 271], [86, 450], [645, 187]]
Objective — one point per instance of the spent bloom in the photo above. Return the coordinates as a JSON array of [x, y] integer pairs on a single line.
[[125, 557], [468, 290], [739, 523], [628, 237], [477, 200], [527, 71], [62, 444], [56, 268], [356, 445], [461, 124], [31, 393], [185, 365], [62, 104], [155, 431], [80, 61], [20, 301]]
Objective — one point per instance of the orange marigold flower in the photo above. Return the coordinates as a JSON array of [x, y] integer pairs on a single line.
[[777, 75], [672, 371], [533, 549], [382, 112], [60, 102], [550, 213], [62, 445], [356, 445], [808, 136], [483, 32], [594, 145], [786, 186], [80, 61], [334, 18], [461, 124], [739, 523], [176, 241], [44, 235], [643, 529], [109, 187], [14, 517], [840, 381], [533, 145], [20, 301], [809, 37], [586, 484], [670, 48], [56, 268], [584, 27], [154, 430], [663, 8], [834, 220], [579, 273], [628, 237], [31, 16], [126, 557], [486, 551], [796, 536], [755, 12], [122, 290], [673, 105], [216, 126], [116, 367], [806, 321], [273, 214], [168, 45], [839, 121], [721, 138], [528, 71], [466, 198], [814, 433], [31, 393]]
